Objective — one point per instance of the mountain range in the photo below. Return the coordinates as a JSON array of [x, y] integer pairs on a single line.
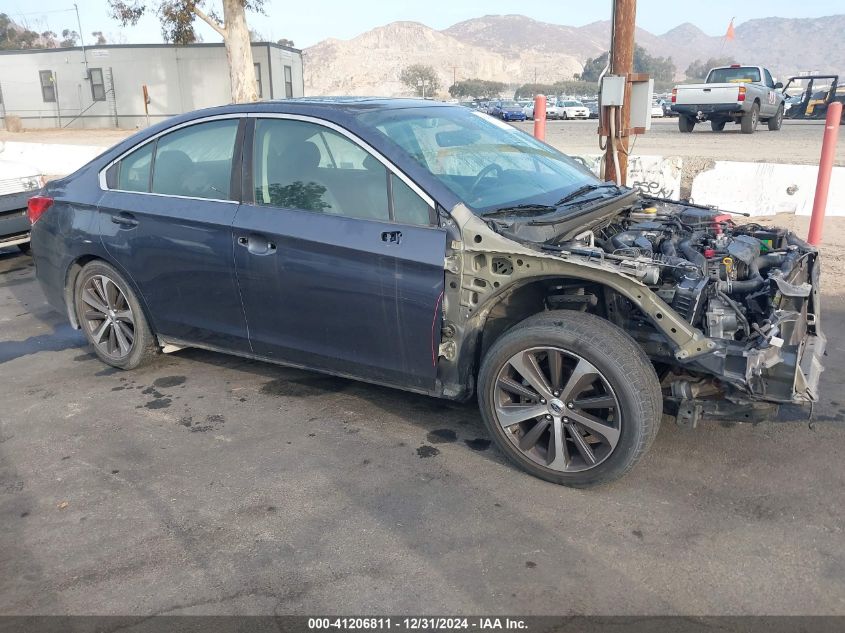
[[516, 49]]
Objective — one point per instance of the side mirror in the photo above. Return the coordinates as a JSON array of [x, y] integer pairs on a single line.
[[778, 85]]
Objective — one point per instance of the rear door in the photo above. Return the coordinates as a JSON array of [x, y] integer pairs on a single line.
[[339, 260], [166, 220]]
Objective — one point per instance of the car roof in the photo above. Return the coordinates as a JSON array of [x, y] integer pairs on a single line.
[[349, 105]]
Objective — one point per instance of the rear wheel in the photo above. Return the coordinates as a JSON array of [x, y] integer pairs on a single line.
[[686, 124], [112, 318], [570, 398], [776, 122], [717, 126], [751, 119]]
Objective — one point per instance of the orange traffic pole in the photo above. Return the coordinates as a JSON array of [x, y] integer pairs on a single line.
[[540, 118], [831, 133]]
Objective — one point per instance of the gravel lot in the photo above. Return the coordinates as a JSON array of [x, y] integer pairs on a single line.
[[210, 484], [797, 142]]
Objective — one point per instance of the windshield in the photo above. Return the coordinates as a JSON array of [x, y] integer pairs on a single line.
[[486, 163], [744, 74], [573, 104], [509, 104]]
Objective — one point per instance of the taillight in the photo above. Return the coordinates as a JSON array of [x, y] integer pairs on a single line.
[[741, 95], [674, 95], [36, 207]]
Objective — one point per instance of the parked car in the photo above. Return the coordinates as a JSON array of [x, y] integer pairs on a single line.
[[508, 111], [740, 94], [656, 109], [569, 109], [666, 105], [419, 245], [17, 183], [593, 107]]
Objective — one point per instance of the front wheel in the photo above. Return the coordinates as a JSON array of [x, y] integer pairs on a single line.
[[776, 122], [686, 124], [570, 398], [112, 318]]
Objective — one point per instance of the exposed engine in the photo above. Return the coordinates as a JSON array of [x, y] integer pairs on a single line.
[[722, 277]]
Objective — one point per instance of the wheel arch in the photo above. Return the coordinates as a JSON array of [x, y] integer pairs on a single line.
[[72, 273]]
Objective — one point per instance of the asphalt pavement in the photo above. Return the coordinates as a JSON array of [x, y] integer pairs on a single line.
[[210, 484]]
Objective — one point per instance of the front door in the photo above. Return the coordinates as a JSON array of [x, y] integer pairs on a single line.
[[339, 261], [166, 219]]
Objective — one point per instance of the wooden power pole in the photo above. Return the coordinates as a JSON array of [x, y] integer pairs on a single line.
[[622, 63]]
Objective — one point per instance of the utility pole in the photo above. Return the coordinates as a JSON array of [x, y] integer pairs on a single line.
[[622, 63]]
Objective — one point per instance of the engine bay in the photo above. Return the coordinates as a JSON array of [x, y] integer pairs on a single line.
[[724, 278]]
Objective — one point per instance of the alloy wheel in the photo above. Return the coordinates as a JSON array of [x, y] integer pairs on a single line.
[[108, 316], [557, 409]]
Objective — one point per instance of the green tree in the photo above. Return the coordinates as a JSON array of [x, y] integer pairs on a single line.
[[69, 38], [476, 88], [177, 19], [698, 69], [661, 69], [100, 38], [285, 42], [421, 79]]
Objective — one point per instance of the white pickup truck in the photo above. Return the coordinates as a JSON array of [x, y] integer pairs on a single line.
[[738, 94]]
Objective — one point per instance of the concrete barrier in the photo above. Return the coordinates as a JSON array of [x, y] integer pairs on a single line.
[[766, 188]]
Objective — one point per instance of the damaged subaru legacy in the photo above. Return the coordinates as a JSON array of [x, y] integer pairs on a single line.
[[432, 248]]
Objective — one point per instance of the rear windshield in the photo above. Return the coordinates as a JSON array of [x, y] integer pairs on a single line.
[[743, 74]]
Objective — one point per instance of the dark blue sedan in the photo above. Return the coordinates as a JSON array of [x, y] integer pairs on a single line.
[[403, 242], [508, 111]]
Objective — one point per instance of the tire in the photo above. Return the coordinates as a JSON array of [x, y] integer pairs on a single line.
[[122, 338], [25, 248], [776, 122], [615, 372], [686, 124], [751, 119], [565, 116], [717, 126]]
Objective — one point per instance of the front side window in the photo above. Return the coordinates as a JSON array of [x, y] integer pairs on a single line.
[[487, 164], [302, 165], [98, 86], [48, 86], [769, 81], [196, 161]]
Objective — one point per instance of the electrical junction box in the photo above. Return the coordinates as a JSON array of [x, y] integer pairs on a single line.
[[613, 90], [642, 94]]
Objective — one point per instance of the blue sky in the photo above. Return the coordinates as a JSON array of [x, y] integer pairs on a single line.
[[309, 22]]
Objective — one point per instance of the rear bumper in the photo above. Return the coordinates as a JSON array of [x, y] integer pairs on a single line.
[[705, 111], [13, 220]]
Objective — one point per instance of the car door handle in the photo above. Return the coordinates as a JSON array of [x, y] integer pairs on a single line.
[[257, 244], [391, 237], [125, 220]]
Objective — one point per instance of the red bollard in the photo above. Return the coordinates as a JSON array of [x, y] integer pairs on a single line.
[[540, 118], [831, 132]]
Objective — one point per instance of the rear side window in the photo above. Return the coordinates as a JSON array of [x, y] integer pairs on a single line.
[[196, 161], [134, 170]]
